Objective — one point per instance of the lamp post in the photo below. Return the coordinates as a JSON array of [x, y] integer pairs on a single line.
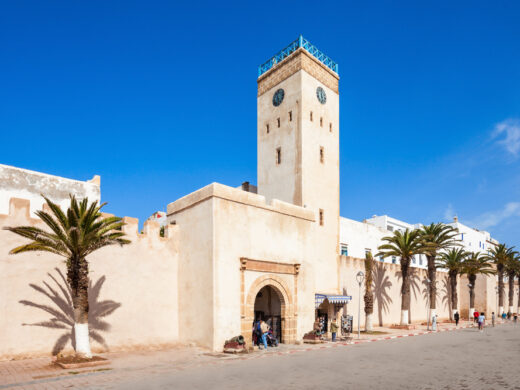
[[469, 310], [360, 276], [428, 303]]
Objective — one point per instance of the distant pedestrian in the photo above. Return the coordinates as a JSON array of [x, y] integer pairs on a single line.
[[503, 316], [333, 329], [456, 317], [493, 319], [515, 317], [434, 323], [509, 316], [481, 321], [475, 316]]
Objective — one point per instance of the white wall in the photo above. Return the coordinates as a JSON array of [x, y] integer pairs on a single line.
[[25, 184]]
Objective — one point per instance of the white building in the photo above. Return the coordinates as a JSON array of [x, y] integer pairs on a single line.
[[473, 240], [358, 238]]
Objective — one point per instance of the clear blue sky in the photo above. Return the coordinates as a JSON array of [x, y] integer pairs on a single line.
[[160, 100]]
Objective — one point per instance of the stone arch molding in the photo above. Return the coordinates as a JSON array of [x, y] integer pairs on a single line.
[[287, 307]]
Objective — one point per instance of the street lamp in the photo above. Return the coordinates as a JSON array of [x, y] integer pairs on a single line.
[[360, 276], [428, 303], [469, 311]]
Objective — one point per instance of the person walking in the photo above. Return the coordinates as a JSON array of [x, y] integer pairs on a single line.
[[456, 317], [515, 318], [475, 316], [504, 316], [333, 329], [264, 328], [493, 319], [481, 321]]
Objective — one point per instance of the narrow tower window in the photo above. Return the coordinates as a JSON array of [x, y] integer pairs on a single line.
[[321, 217], [330, 127], [278, 122], [311, 116], [290, 116], [322, 154], [267, 128], [278, 156], [321, 121]]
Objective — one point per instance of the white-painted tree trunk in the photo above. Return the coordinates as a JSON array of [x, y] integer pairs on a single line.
[[404, 317], [500, 310], [471, 312], [511, 309], [433, 312], [368, 322], [82, 340]]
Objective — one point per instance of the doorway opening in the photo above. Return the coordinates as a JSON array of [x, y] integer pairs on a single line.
[[268, 307]]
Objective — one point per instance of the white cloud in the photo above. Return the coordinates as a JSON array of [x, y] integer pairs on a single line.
[[449, 213], [493, 218], [508, 133]]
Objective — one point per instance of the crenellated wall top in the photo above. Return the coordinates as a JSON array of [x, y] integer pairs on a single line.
[[20, 215]]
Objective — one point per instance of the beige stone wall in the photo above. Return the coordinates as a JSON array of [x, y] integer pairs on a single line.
[[133, 300], [242, 244], [387, 289], [320, 186], [280, 181]]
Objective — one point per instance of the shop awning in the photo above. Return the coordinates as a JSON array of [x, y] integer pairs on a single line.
[[334, 299]]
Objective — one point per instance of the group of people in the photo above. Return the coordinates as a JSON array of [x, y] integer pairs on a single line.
[[263, 334]]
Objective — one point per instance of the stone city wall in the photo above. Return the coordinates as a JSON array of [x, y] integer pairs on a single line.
[[133, 296], [387, 292]]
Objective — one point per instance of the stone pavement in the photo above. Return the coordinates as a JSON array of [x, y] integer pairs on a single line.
[[128, 367]]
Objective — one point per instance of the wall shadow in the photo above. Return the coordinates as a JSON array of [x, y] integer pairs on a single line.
[[382, 284], [447, 296], [61, 312]]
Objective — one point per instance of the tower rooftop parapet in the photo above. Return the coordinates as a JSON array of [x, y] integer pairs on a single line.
[[301, 42]]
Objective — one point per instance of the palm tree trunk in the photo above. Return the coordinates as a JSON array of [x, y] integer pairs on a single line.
[[511, 292], [369, 295], [472, 279], [518, 300], [77, 276], [454, 297], [432, 275], [500, 271], [405, 290]]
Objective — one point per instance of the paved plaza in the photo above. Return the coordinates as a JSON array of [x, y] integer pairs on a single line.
[[454, 359]]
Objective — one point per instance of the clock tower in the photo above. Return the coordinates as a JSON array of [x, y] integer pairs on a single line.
[[298, 140]]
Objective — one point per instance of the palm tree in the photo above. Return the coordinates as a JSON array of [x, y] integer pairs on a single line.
[[369, 294], [453, 261], [405, 245], [511, 267], [499, 256], [475, 264], [74, 235], [435, 238]]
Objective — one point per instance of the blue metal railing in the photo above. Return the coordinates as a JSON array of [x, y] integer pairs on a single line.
[[291, 48]]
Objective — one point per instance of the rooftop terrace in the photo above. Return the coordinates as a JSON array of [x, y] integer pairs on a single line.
[[291, 48]]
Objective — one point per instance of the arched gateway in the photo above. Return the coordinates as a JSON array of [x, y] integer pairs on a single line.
[[274, 285]]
